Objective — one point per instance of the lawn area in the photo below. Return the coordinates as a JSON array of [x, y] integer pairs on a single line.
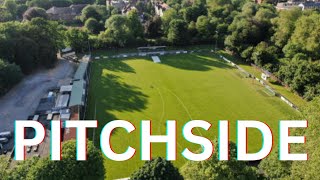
[[294, 98], [182, 87]]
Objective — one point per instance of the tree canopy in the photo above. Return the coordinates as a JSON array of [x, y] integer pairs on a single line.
[[157, 168]]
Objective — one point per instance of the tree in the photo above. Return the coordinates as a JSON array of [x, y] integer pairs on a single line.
[[3, 166], [11, 6], [26, 54], [308, 169], [152, 28], [305, 37], [167, 17], [48, 37], [273, 168], [21, 9], [299, 73], [10, 74], [157, 168], [204, 28], [97, 12], [135, 24], [284, 25], [265, 54], [69, 167], [118, 31], [90, 12], [93, 26], [5, 15], [35, 12], [77, 39], [45, 4], [61, 3], [178, 32], [215, 169], [21, 170]]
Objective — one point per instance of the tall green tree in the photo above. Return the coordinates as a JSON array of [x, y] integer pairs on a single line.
[[215, 169], [93, 26], [157, 168], [305, 38], [135, 23], [77, 39], [10, 74], [118, 32], [11, 6], [178, 32]]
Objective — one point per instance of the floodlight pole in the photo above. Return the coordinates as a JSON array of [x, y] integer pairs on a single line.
[[215, 49]]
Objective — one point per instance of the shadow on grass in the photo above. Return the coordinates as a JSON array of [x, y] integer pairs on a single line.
[[116, 66], [193, 62], [109, 94]]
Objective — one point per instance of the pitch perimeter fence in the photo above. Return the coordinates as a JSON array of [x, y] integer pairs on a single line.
[[268, 88]]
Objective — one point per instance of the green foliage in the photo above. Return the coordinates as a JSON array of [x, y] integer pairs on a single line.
[[284, 26], [11, 6], [264, 54], [178, 32], [21, 8], [77, 39], [45, 4], [21, 170], [135, 24], [215, 169], [82, 1], [309, 169], [305, 38], [98, 12], [300, 73], [30, 44], [273, 168], [61, 3], [152, 28], [10, 74], [204, 28], [5, 15], [118, 32], [157, 168], [93, 26], [67, 168], [168, 16]]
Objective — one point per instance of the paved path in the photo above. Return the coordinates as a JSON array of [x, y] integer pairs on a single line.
[[23, 99]]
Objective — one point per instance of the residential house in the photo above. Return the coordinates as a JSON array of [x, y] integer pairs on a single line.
[[65, 13], [160, 8]]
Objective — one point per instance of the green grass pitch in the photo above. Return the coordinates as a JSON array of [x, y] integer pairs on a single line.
[[181, 87]]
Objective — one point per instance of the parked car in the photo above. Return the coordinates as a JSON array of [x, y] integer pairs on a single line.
[[6, 134], [35, 148], [29, 149], [4, 140]]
